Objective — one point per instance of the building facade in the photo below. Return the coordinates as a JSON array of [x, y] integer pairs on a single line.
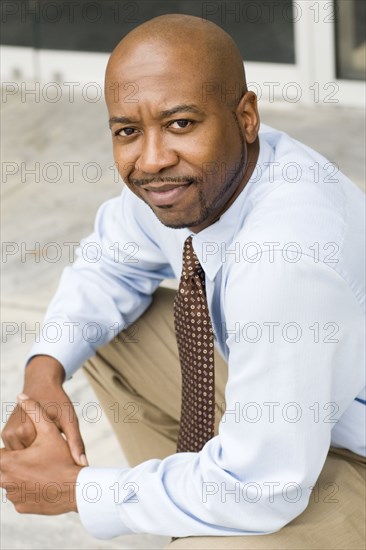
[[296, 51]]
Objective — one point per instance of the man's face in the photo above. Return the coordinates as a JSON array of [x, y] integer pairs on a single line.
[[177, 145]]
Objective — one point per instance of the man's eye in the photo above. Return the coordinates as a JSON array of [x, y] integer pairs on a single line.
[[125, 132], [181, 124]]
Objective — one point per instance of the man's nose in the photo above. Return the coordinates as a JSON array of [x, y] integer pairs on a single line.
[[155, 155]]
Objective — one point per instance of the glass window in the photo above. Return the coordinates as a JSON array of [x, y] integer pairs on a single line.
[[351, 39], [263, 29]]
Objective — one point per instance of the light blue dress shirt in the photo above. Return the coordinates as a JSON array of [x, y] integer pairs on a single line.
[[286, 290]]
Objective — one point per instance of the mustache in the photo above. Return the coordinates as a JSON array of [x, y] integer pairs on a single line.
[[166, 179]]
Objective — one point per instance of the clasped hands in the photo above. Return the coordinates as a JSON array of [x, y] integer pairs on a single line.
[[40, 478]]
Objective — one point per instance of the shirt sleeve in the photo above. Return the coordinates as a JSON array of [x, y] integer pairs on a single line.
[[293, 332], [107, 288]]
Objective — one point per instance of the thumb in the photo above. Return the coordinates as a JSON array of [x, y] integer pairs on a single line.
[[34, 412], [75, 442]]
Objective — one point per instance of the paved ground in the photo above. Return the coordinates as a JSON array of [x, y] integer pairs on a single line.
[[48, 206]]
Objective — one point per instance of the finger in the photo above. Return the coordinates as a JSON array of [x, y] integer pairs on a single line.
[[19, 432], [75, 443], [34, 411], [3, 451], [13, 443]]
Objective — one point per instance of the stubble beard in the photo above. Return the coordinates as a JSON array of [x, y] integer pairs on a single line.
[[208, 211]]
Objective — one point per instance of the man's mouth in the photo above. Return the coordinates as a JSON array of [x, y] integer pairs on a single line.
[[166, 194], [162, 188]]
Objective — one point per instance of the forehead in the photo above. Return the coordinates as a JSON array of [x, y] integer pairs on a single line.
[[159, 76]]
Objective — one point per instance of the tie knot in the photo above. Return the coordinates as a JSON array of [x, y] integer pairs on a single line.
[[191, 264]]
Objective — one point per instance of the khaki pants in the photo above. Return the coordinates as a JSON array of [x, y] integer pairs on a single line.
[[140, 370]]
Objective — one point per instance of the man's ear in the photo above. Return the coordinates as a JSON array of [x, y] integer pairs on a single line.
[[248, 116]]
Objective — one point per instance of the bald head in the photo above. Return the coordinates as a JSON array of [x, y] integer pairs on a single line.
[[196, 46]]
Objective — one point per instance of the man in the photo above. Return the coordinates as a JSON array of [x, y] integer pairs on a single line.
[[272, 273]]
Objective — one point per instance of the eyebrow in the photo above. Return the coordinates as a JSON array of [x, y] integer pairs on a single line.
[[183, 108]]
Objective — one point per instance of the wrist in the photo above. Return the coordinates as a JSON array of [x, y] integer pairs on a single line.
[[73, 475], [43, 370]]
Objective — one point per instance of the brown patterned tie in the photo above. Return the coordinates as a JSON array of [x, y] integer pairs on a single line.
[[194, 334]]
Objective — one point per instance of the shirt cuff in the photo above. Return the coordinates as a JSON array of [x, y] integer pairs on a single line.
[[71, 356], [98, 502]]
